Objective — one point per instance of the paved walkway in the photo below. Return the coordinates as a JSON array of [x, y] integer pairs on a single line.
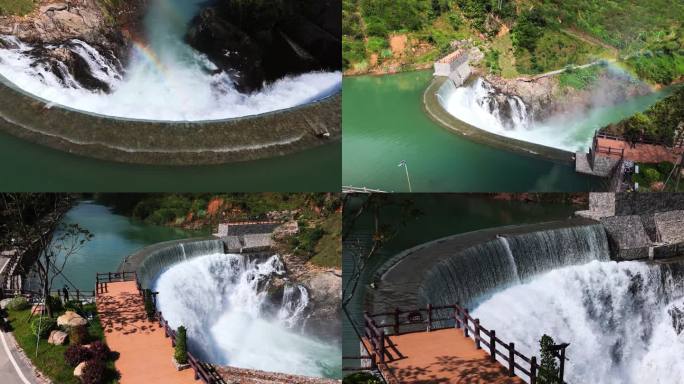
[[643, 153], [13, 369], [445, 356], [145, 354]]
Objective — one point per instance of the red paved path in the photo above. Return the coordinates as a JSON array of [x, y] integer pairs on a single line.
[[145, 354], [643, 153], [444, 356]]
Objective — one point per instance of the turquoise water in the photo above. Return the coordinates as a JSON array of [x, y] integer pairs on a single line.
[[384, 123], [114, 237], [28, 167]]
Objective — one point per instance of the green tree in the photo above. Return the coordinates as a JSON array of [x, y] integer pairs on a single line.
[[548, 370]]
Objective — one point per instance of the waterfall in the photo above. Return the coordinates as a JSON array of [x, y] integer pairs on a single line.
[[295, 300], [622, 320], [165, 78], [234, 316], [481, 105], [475, 273], [163, 257]]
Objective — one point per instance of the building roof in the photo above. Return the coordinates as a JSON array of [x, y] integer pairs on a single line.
[[451, 57]]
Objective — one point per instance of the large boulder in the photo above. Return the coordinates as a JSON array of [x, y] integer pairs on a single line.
[[260, 42], [78, 371], [4, 303], [57, 338], [71, 319]]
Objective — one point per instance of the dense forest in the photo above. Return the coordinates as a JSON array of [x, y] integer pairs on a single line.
[[317, 214], [517, 36], [660, 123]]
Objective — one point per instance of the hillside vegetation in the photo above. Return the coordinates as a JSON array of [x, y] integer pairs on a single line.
[[517, 37], [16, 7], [658, 123]]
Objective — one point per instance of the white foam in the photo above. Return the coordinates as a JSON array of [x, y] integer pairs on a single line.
[[222, 300], [614, 315], [175, 82]]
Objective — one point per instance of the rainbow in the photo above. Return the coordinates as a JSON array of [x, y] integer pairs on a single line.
[[146, 52]]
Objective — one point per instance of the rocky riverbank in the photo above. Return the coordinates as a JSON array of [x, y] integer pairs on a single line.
[[547, 97], [260, 42], [66, 37]]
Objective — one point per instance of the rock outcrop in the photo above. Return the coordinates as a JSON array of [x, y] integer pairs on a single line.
[[545, 97], [259, 42], [60, 34], [325, 295], [57, 338], [71, 319]]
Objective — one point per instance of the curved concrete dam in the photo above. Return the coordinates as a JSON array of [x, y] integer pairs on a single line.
[[246, 138], [467, 268], [436, 111], [624, 320]]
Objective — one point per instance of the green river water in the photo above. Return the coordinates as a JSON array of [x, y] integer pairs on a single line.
[[26, 166], [114, 237], [384, 123]]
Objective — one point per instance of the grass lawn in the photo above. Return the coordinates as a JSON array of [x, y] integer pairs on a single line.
[[504, 45], [328, 251], [50, 358], [650, 174], [16, 7]]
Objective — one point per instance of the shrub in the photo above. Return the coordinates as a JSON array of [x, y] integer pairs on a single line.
[[78, 335], [100, 350], [361, 378], [75, 354], [18, 304], [73, 305], [53, 303], [181, 350], [94, 372], [149, 306], [43, 327]]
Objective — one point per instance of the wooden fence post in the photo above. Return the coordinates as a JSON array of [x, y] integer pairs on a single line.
[[382, 346], [465, 323], [511, 359], [477, 334], [533, 370], [492, 346], [396, 321], [457, 320], [429, 317]]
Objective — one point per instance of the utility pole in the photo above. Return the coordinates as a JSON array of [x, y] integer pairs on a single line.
[[408, 179]]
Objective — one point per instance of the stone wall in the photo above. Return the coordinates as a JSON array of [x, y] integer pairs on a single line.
[[647, 203], [670, 226], [627, 237]]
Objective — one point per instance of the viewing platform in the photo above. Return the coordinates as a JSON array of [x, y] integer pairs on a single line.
[[445, 345], [145, 354]]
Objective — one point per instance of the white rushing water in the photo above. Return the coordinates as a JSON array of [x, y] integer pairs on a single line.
[[166, 79], [617, 318], [223, 302], [480, 105]]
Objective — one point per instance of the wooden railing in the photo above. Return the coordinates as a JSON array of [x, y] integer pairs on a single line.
[[201, 372], [677, 142], [102, 279], [610, 150], [451, 316], [76, 294]]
